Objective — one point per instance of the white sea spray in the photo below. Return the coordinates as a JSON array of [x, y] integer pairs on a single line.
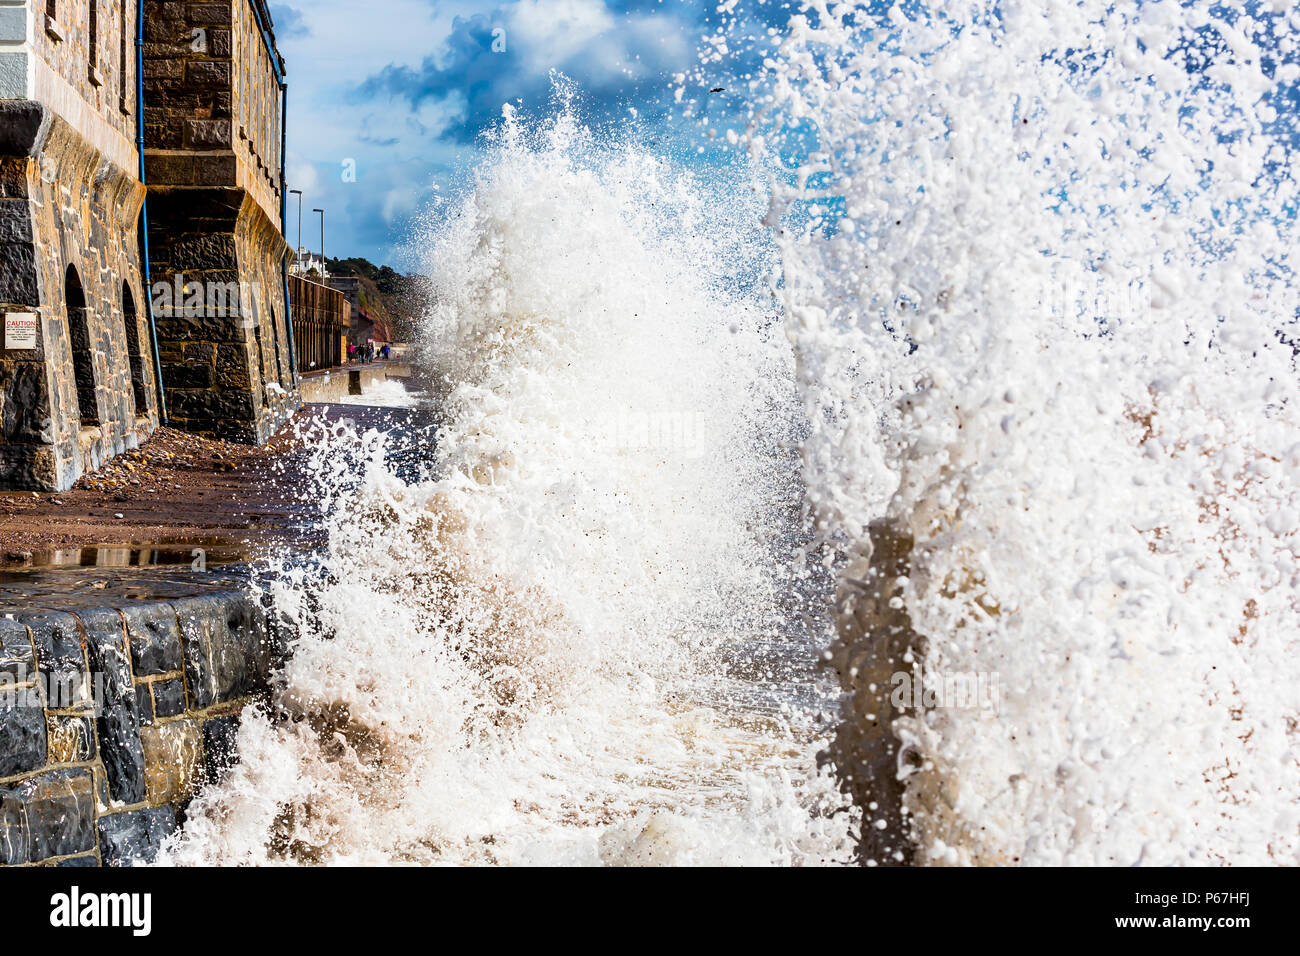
[[525, 657], [1038, 276]]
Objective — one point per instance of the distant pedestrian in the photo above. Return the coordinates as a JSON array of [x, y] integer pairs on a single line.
[[352, 353]]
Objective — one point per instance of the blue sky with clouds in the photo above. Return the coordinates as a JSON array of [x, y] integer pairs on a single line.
[[401, 89]]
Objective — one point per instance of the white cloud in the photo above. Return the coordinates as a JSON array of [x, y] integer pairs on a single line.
[[556, 30]]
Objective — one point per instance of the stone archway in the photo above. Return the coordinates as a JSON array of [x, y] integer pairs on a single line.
[[83, 361], [135, 354]]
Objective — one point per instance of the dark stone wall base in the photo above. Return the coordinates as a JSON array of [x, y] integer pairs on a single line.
[[226, 362], [112, 718]]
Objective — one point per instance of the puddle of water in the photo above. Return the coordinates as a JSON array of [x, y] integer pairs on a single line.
[[100, 575], [73, 588], [390, 393], [198, 554]]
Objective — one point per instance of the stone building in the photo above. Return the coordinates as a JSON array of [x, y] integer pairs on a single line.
[[214, 150], [83, 318], [76, 374]]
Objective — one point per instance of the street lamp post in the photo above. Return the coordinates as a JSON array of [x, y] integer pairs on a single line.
[[298, 249]]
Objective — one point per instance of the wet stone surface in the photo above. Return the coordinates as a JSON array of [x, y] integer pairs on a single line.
[[117, 720], [23, 735], [143, 706], [52, 590], [219, 743], [17, 659], [155, 638], [121, 685], [71, 739], [173, 759], [227, 651], [60, 657], [46, 816], [169, 698], [135, 837]]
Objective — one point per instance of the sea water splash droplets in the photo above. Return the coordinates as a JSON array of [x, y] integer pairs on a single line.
[[1038, 274], [526, 657]]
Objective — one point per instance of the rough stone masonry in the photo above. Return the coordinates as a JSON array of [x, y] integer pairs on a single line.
[[112, 716], [78, 382]]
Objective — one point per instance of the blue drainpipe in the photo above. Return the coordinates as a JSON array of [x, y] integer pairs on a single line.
[[144, 207]]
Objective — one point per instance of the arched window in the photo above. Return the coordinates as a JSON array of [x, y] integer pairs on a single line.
[[83, 363], [138, 387]]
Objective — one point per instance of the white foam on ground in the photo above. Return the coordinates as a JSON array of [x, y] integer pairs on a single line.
[[387, 393]]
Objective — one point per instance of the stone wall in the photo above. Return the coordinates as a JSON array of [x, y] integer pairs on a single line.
[[93, 61], [112, 717], [336, 385], [225, 363], [212, 155], [69, 202]]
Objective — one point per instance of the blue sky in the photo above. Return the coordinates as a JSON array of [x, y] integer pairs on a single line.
[[388, 97], [401, 89]]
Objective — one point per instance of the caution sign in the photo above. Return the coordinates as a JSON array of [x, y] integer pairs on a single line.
[[20, 330]]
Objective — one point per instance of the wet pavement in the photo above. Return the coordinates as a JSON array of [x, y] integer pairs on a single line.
[[180, 492]]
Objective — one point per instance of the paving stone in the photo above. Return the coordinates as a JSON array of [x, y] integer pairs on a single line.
[[135, 837]]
